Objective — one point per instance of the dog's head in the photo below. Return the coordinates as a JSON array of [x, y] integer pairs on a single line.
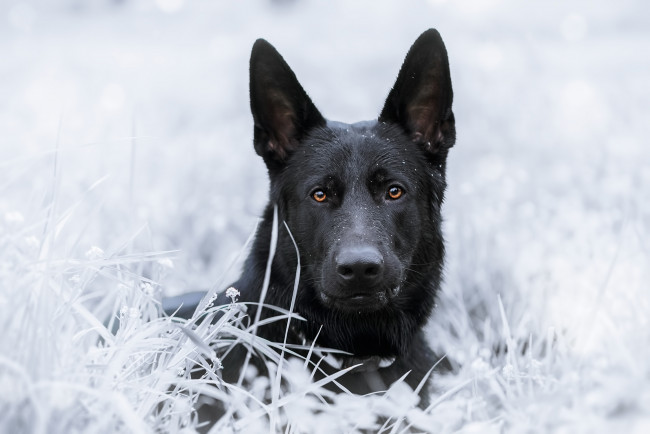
[[361, 200]]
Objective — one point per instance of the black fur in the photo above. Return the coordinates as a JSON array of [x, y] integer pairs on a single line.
[[370, 264], [355, 165]]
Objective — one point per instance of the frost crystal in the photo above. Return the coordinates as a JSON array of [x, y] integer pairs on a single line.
[[232, 293], [480, 366], [166, 262], [508, 372], [211, 301], [94, 253], [148, 290]]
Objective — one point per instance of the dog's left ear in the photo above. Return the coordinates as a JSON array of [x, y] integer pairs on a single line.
[[420, 101]]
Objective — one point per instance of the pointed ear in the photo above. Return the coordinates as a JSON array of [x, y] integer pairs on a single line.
[[420, 101], [282, 111]]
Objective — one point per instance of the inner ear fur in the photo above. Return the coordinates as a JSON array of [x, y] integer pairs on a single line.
[[282, 111], [421, 99]]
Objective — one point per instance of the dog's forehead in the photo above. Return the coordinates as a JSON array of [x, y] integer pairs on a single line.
[[370, 141], [352, 152]]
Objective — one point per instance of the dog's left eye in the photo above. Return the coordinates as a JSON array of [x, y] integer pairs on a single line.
[[395, 192], [319, 196]]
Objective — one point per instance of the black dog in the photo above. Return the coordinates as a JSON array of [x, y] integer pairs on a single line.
[[362, 202]]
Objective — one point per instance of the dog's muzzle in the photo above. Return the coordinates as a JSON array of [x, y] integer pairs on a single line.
[[358, 278]]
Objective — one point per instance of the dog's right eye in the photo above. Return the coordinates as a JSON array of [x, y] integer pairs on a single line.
[[319, 196], [395, 192]]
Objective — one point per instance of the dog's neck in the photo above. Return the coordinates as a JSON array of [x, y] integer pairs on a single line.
[[344, 360], [366, 364]]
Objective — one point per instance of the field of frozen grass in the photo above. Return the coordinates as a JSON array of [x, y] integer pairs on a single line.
[[127, 171]]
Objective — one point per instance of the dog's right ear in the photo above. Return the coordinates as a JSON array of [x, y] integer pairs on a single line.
[[282, 110]]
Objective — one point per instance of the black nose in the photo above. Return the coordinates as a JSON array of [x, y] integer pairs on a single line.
[[362, 265]]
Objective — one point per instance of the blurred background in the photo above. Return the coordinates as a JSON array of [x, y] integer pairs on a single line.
[[132, 118]]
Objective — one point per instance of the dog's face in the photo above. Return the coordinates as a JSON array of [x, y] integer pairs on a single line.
[[353, 203], [362, 200]]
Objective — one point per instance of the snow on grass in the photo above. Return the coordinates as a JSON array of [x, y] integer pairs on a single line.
[[127, 172]]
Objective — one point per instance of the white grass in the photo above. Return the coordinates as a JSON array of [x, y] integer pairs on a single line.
[[127, 171]]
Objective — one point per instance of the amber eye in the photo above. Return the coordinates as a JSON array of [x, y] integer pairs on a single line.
[[395, 192], [319, 196]]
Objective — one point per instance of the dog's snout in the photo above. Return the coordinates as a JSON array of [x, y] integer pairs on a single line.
[[363, 264]]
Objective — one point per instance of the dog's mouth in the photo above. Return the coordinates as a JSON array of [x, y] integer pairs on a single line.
[[359, 301]]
